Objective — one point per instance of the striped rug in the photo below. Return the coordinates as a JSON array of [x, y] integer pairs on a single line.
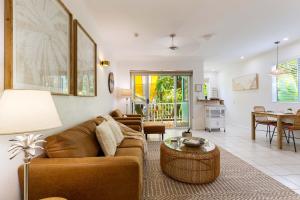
[[238, 181]]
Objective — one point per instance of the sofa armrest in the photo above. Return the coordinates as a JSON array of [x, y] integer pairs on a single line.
[[134, 124], [106, 178], [135, 127], [134, 115], [127, 118], [130, 122]]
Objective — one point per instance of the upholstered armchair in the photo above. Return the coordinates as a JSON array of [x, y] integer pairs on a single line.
[[134, 121]]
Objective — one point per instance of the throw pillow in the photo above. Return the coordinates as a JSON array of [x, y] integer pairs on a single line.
[[117, 132], [106, 139]]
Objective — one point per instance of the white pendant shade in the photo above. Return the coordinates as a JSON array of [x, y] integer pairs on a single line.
[[24, 111], [277, 72]]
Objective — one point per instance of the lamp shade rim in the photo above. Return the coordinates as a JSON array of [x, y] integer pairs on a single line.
[[3, 132]]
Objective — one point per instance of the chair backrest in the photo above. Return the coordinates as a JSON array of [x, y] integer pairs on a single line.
[[116, 113], [297, 120], [260, 109]]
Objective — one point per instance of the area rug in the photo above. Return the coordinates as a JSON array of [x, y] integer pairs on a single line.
[[238, 181]]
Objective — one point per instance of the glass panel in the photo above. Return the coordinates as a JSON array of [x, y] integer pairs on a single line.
[[154, 98], [287, 84], [140, 94], [162, 102], [182, 101]]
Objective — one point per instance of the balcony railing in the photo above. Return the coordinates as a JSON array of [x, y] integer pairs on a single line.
[[164, 111]]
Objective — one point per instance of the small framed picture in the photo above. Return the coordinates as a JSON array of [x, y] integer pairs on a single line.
[[198, 87]]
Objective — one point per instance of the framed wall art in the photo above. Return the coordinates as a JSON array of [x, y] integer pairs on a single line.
[[85, 62], [246, 82], [198, 87], [38, 43], [111, 82]]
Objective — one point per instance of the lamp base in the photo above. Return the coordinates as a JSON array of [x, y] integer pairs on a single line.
[[28, 143], [26, 180]]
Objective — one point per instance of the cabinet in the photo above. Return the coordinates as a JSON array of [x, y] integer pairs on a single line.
[[214, 117]]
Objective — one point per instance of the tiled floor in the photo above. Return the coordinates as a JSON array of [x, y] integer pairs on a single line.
[[282, 165]]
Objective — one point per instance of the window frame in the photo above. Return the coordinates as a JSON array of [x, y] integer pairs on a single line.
[[275, 82]]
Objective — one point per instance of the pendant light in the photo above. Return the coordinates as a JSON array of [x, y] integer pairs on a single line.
[[276, 71]]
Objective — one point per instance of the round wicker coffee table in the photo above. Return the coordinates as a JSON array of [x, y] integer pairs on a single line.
[[196, 165]]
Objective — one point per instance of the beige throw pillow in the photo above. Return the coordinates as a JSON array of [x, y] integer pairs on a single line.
[[106, 139], [115, 129]]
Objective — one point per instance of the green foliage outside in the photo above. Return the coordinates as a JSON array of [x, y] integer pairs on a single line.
[[287, 84], [165, 90]]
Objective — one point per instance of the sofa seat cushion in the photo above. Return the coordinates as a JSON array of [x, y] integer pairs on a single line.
[[130, 143], [80, 141]]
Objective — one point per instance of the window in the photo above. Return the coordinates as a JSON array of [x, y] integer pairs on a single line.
[[287, 86]]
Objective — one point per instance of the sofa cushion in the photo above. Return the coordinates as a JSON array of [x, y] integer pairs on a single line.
[[116, 113], [106, 139], [79, 141], [129, 143], [117, 132]]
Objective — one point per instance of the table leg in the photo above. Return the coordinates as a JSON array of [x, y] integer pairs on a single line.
[[279, 133], [253, 126]]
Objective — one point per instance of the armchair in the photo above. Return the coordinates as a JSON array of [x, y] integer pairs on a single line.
[[134, 121]]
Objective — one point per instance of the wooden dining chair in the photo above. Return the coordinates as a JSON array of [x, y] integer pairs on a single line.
[[290, 127], [263, 120], [295, 126]]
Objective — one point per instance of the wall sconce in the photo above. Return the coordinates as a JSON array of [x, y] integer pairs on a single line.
[[105, 63]]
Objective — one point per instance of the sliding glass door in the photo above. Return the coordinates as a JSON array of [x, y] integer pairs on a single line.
[[162, 97]]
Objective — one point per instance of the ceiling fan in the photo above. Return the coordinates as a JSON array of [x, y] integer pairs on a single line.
[[173, 47]]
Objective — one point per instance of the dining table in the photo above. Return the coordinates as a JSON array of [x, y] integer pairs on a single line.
[[276, 115]]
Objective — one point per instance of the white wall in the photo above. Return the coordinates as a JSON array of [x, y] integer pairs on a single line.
[[240, 104], [163, 64], [213, 81], [72, 110]]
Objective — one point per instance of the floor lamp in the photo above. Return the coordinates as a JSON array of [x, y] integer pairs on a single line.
[[125, 93], [26, 112]]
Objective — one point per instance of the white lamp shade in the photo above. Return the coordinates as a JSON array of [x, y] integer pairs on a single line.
[[277, 72], [24, 111], [125, 92]]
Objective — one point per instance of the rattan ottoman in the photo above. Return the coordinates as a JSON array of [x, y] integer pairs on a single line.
[[189, 164]]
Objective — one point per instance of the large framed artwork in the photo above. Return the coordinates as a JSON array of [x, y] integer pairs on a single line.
[[38, 43], [85, 62], [246, 82]]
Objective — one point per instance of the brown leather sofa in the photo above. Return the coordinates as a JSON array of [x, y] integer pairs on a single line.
[[73, 167], [134, 121]]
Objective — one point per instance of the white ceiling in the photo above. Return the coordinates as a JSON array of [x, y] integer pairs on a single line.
[[240, 27]]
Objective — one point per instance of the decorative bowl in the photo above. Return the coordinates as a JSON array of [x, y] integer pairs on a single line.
[[193, 142]]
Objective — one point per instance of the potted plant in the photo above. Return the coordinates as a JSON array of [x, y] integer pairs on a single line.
[[187, 133]]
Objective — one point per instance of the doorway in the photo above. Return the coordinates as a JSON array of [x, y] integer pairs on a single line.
[[162, 96]]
